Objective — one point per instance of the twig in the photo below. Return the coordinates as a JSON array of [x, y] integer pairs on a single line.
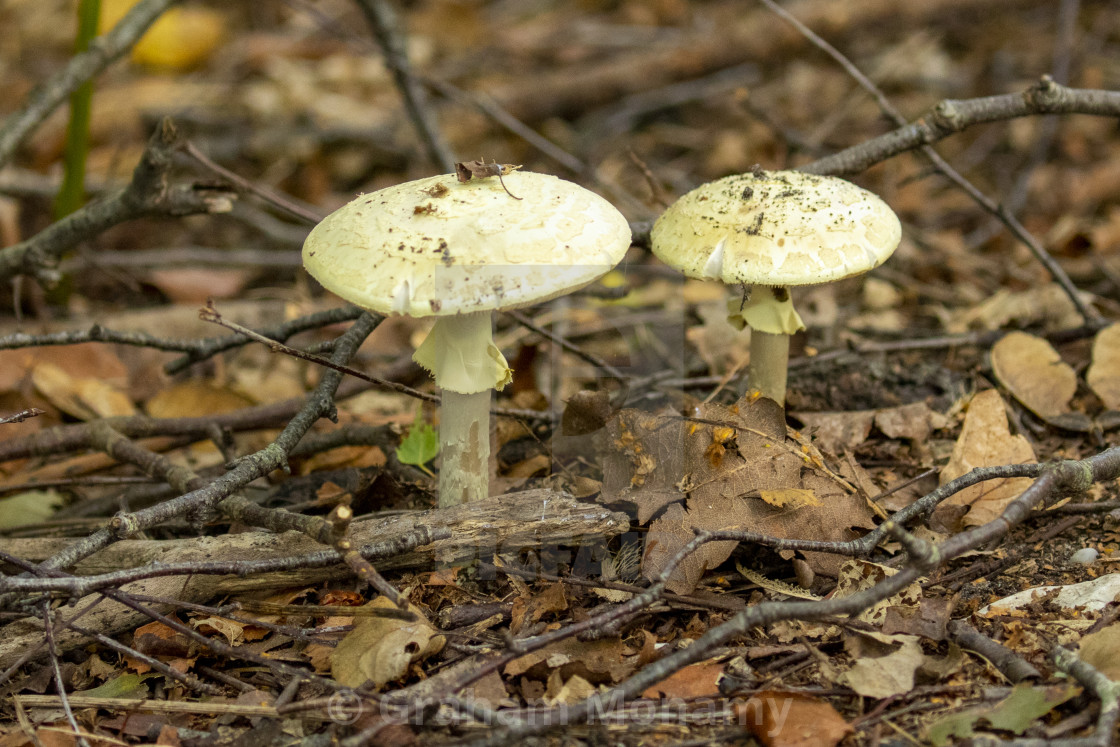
[[571, 347], [60, 684], [952, 116], [150, 193], [390, 37], [284, 202], [339, 520], [280, 332], [210, 314], [273, 456], [1107, 691], [1014, 667], [1046, 85], [209, 708], [82, 67], [22, 415]]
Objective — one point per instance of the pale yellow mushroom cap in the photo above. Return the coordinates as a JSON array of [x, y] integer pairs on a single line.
[[437, 246], [776, 228]]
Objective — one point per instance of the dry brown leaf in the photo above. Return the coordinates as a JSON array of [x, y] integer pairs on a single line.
[[860, 575], [599, 662], [231, 630], [1102, 650], [694, 681], [789, 497], [723, 486], [92, 360], [837, 432], [788, 719], [1031, 369], [195, 398], [528, 610], [197, 285], [644, 461], [1104, 373], [884, 665], [564, 692], [84, 398], [913, 422], [985, 441], [1046, 304], [381, 649]]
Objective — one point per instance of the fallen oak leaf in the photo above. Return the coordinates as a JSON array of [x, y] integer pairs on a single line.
[[1031, 369], [985, 441], [381, 649]]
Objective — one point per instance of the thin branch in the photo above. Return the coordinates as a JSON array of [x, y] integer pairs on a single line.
[[284, 202], [1088, 313], [319, 404], [390, 37], [210, 314], [952, 116], [22, 415], [571, 347], [150, 193], [102, 52], [60, 683]]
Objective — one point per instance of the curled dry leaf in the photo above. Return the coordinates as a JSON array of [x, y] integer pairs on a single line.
[[694, 681], [1104, 373], [84, 398], [1031, 369], [381, 649], [883, 675], [985, 441], [788, 719], [1102, 650]]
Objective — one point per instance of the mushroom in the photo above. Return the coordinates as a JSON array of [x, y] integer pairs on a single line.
[[458, 251], [769, 230]]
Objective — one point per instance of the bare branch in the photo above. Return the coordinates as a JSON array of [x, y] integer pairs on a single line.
[[102, 51], [151, 193], [390, 37], [1088, 313], [953, 116]]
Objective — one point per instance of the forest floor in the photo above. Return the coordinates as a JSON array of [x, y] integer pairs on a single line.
[[208, 540]]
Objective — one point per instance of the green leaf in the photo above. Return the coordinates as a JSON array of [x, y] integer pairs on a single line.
[[122, 686], [420, 445], [1015, 713], [28, 508]]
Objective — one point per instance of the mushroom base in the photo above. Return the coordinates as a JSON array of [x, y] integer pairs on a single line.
[[464, 434]]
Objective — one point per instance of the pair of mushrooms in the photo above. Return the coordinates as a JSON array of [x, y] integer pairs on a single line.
[[461, 250]]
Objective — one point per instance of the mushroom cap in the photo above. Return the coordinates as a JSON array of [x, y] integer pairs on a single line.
[[437, 246], [776, 228]]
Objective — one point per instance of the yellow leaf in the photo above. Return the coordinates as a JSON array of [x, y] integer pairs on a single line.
[[790, 497], [85, 399], [182, 38]]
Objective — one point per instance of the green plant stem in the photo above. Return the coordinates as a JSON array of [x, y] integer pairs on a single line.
[[72, 194]]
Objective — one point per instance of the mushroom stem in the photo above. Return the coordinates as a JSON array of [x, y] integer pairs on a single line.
[[464, 435], [769, 358], [467, 366]]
